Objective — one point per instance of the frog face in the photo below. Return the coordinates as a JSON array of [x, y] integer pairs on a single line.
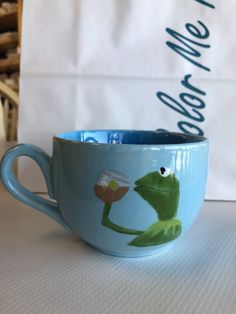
[[161, 190]]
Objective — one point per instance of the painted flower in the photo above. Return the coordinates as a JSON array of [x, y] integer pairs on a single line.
[[111, 186]]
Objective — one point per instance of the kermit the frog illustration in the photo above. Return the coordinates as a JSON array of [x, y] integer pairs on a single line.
[[160, 190]]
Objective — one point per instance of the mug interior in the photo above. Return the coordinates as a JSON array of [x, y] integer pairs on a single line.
[[135, 137]]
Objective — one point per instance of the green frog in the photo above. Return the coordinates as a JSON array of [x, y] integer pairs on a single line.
[[161, 191]]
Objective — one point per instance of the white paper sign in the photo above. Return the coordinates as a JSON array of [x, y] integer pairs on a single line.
[[133, 64]]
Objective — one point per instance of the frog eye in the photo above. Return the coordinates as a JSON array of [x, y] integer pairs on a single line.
[[164, 172]]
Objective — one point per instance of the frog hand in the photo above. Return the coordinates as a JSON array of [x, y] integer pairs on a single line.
[[160, 232]]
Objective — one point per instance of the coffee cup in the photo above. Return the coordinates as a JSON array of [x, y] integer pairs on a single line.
[[127, 193]]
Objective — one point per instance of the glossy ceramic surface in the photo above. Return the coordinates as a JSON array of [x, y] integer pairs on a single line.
[[127, 193]]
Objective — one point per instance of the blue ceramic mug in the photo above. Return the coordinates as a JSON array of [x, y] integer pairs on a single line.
[[127, 193]]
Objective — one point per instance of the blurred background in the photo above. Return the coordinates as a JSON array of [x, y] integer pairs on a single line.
[[102, 64], [10, 43]]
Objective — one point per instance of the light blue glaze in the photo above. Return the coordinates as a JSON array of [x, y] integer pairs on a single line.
[[78, 160], [47, 207]]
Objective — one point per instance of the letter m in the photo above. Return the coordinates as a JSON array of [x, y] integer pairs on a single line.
[[185, 48]]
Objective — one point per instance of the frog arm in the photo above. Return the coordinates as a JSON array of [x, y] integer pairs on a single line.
[[109, 224]]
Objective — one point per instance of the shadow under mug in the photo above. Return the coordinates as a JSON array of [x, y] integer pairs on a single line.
[[128, 193]]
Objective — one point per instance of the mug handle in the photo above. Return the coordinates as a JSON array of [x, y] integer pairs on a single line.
[[9, 180]]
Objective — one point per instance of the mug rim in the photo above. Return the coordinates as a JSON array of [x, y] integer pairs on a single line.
[[196, 139]]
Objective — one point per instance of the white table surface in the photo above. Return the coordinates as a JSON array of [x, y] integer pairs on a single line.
[[44, 269]]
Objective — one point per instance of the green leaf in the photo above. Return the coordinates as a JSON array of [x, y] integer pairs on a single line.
[[159, 233], [162, 193]]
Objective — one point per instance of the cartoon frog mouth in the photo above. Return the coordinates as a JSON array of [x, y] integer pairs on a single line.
[[157, 189]]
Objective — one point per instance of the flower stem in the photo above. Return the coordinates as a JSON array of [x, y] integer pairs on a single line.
[[107, 223]]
